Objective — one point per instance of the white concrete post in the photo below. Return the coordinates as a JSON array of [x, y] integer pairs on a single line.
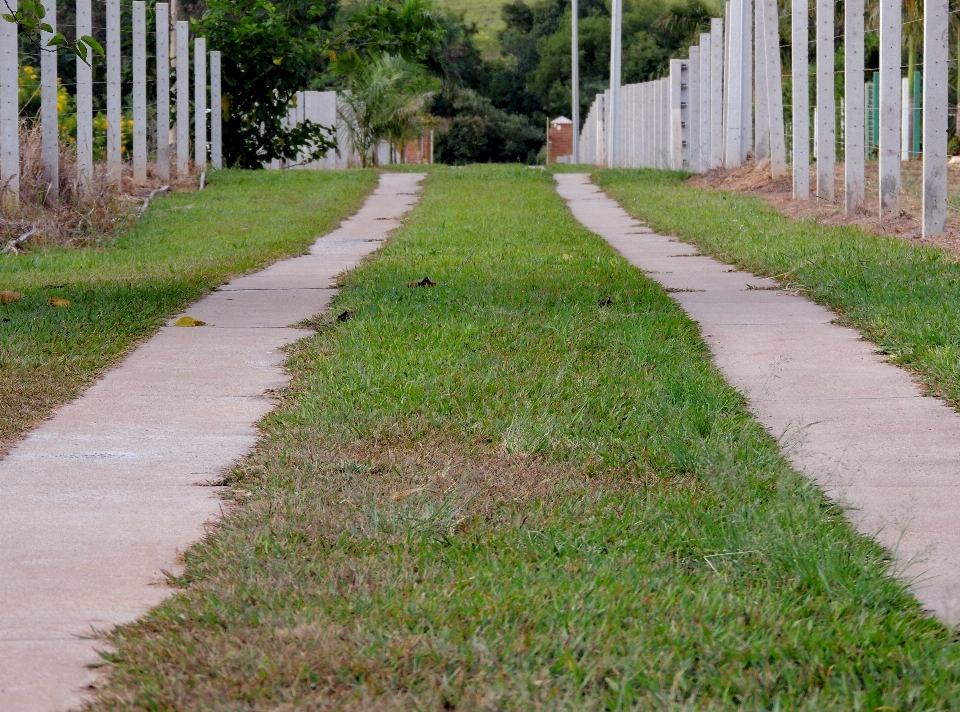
[[801, 99], [216, 115], [183, 98], [890, 29], [139, 91], [716, 92], [774, 92], [935, 58], [200, 102], [84, 102], [826, 103], [693, 106], [614, 109], [905, 111], [853, 117], [762, 128], [9, 110], [574, 78], [728, 14], [704, 128], [114, 131], [680, 102], [734, 107], [163, 90], [645, 126], [746, 109], [50, 129]]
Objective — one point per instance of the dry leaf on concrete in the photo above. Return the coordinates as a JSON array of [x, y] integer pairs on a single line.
[[60, 302], [188, 321], [6, 296]]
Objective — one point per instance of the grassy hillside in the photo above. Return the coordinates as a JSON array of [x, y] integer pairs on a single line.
[[486, 13]]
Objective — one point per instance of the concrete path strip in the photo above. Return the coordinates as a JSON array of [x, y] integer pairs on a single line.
[[853, 422], [97, 502]]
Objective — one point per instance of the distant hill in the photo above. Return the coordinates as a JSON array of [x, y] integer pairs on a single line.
[[486, 13]]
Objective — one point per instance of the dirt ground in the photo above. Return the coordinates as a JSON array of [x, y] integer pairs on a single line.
[[754, 179]]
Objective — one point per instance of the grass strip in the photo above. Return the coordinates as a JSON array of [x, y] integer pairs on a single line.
[[526, 488], [185, 245], [903, 297]]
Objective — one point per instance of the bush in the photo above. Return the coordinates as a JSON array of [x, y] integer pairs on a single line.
[[475, 131]]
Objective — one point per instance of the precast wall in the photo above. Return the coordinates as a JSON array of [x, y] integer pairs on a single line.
[[726, 101]]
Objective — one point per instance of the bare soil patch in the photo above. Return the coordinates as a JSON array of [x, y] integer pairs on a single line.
[[754, 179]]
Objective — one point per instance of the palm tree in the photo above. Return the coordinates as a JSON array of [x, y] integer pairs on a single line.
[[383, 99]]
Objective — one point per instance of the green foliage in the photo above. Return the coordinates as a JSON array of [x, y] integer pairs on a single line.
[[269, 51], [29, 19], [410, 29], [383, 100], [475, 131]]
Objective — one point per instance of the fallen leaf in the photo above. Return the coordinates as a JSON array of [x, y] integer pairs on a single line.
[[425, 282], [188, 321], [346, 316], [606, 301], [6, 296], [567, 257], [60, 302]]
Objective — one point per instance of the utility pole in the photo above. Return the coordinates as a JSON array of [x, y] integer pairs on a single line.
[[575, 78], [613, 148]]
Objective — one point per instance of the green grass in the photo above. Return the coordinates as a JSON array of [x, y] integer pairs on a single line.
[[498, 493], [904, 298], [185, 245]]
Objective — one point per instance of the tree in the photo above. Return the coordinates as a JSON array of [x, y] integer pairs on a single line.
[[269, 51], [384, 99]]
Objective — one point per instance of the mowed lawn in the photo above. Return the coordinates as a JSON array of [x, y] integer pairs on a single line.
[[905, 298], [184, 246], [524, 488]]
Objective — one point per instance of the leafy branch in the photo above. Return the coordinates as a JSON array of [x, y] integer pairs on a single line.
[[29, 19]]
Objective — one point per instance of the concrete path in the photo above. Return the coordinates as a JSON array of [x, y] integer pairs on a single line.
[[97, 502], [856, 424]]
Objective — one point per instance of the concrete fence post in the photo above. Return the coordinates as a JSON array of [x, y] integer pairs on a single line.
[[935, 58], [216, 114], [84, 103], [183, 98], [826, 102], [762, 128], [890, 44], [716, 92], [200, 103], [139, 19], [801, 99], [773, 92], [746, 88], [9, 110], [905, 115], [49, 124], [704, 128], [163, 90], [853, 118], [728, 14], [734, 88], [677, 81], [613, 133], [114, 108], [693, 110]]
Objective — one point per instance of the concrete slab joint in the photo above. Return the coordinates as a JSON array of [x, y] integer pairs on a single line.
[[97, 501]]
